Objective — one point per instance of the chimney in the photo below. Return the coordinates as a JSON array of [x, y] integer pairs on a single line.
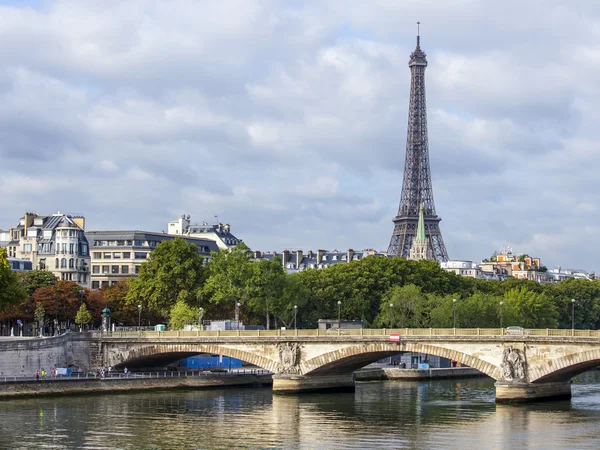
[[227, 227], [80, 222], [311, 254], [257, 254], [350, 254], [298, 258], [285, 255], [220, 226], [320, 254], [28, 222]]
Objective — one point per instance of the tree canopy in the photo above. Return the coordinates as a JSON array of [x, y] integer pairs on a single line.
[[10, 290], [174, 271]]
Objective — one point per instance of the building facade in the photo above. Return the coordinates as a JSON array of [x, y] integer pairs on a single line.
[[118, 255], [219, 233], [297, 260], [55, 243]]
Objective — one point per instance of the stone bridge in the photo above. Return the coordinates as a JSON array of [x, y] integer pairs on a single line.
[[533, 364]]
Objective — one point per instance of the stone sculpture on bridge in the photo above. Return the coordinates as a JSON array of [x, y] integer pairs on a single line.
[[289, 357], [514, 365]]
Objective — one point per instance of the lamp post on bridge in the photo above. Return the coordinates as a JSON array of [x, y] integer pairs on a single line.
[[295, 316], [139, 318], [501, 304], [339, 314], [201, 313], [391, 314], [454, 311], [572, 317]]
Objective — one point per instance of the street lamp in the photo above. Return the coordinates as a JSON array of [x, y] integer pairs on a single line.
[[454, 310], [201, 311], [573, 317], [295, 316], [391, 314], [339, 314], [139, 318], [501, 304], [56, 319], [237, 314]]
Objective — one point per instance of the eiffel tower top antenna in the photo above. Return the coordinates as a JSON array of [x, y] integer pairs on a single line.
[[418, 33]]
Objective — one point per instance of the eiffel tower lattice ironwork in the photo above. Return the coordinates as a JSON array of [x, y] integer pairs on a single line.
[[416, 186]]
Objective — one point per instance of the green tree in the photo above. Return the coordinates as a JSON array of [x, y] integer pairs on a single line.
[[174, 271], [10, 291], [267, 283], [529, 309], [182, 314], [408, 306], [230, 277], [83, 316], [31, 280], [39, 316]]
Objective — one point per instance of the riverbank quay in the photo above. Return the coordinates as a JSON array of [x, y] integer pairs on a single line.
[[392, 373], [13, 387]]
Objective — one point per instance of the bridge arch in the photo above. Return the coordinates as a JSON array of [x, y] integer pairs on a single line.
[[175, 352], [349, 359], [565, 367]]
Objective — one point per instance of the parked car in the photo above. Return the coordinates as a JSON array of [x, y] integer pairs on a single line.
[[517, 330]]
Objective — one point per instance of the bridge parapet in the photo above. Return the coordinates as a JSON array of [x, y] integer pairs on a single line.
[[523, 332]]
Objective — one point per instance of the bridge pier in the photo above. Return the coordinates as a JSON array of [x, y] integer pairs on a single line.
[[507, 392], [296, 384]]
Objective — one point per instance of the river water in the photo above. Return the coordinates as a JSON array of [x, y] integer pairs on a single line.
[[448, 414]]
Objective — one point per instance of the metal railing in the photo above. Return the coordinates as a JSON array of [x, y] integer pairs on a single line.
[[115, 376], [357, 332]]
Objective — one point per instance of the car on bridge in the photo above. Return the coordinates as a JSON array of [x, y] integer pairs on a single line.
[[517, 330]]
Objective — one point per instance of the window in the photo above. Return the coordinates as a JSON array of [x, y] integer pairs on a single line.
[[139, 243], [84, 249], [121, 243], [64, 248], [124, 269], [63, 233], [71, 263], [95, 269], [140, 255], [95, 285], [105, 284], [117, 255], [126, 255], [26, 247], [71, 248], [137, 269], [105, 269], [97, 255], [107, 255], [56, 265], [63, 263], [114, 269]]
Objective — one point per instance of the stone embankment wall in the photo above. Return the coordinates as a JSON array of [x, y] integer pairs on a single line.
[[96, 386], [384, 373], [23, 356]]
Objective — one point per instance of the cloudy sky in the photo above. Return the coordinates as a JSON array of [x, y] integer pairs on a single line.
[[287, 119]]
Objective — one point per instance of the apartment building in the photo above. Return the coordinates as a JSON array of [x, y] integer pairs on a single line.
[[55, 243], [118, 255]]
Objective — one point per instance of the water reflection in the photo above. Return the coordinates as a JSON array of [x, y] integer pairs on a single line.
[[442, 414]]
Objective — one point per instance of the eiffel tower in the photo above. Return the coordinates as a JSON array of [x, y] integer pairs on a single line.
[[416, 187]]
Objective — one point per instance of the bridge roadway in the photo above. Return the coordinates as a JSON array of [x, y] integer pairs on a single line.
[[527, 364]]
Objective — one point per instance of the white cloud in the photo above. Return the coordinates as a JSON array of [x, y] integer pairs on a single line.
[[288, 119]]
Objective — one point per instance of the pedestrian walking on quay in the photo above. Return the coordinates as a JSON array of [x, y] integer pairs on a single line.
[[43, 374], [110, 371], [37, 375], [52, 372], [125, 371]]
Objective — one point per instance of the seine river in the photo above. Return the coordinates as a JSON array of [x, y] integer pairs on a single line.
[[389, 415]]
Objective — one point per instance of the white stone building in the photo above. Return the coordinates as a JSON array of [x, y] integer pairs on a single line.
[[55, 243]]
